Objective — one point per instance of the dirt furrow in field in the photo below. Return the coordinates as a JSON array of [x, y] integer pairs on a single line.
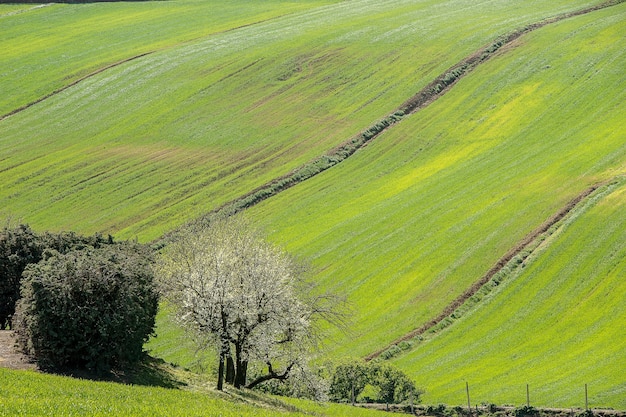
[[434, 90], [73, 83], [118, 63], [497, 267]]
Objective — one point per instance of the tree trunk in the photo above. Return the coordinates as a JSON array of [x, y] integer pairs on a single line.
[[241, 375], [220, 374], [241, 367], [230, 370]]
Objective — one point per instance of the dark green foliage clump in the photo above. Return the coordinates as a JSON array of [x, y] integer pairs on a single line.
[[90, 309], [21, 246], [390, 385], [526, 411]]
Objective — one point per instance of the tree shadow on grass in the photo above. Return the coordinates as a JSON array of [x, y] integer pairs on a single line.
[[153, 372]]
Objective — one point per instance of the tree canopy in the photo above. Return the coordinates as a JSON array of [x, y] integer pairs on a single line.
[[231, 285]]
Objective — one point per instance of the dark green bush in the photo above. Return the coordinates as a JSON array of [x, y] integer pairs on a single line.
[[19, 247], [348, 381], [391, 386], [436, 410], [90, 309], [526, 411]]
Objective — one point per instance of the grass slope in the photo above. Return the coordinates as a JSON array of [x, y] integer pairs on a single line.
[[557, 326], [27, 393], [45, 47], [404, 226], [145, 146]]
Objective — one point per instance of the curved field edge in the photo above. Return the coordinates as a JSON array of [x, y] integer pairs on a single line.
[[553, 321], [427, 95], [513, 259], [406, 226]]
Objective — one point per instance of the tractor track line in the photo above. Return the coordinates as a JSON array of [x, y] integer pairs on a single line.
[[124, 61], [73, 83], [497, 267], [427, 95]]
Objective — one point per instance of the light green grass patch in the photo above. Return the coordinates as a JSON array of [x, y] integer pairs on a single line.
[[28, 393], [248, 105], [411, 221], [556, 326], [48, 46]]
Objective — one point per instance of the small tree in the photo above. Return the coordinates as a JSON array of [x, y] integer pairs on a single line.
[[391, 385], [90, 309], [349, 380], [394, 385], [231, 285]]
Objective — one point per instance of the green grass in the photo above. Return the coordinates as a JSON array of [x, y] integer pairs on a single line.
[[145, 146], [404, 226], [46, 47], [174, 345], [28, 393], [556, 326]]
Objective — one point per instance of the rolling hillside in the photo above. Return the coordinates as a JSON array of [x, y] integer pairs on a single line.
[[169, 127], [556, 326], [406, 225], [143, 147]]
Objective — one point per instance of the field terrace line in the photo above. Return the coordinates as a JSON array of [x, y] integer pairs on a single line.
[[524, 244], [118, 63], [427, 95]]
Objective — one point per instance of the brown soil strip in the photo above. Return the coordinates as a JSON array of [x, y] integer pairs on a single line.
[[423, 98], [9, 356], [499, 265]]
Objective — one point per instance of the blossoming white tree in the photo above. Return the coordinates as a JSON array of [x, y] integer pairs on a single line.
[[229, 283]]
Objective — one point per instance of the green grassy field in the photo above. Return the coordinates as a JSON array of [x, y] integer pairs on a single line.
[[404, 226], [556, 326], [48, 46], [145, 146], [27, 393]]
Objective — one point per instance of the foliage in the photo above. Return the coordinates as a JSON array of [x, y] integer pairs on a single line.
[[391, 386], [92, 308], [526, 411], [21, 246], [348, 381], [231, 286], [394, 385]]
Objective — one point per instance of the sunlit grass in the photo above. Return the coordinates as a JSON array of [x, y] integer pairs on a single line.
[[556, 326], [148, 145], [28, 393], [410, 222]]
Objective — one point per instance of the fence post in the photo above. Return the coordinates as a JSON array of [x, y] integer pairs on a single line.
[[586, 399], [527, 396], [469, 405]]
